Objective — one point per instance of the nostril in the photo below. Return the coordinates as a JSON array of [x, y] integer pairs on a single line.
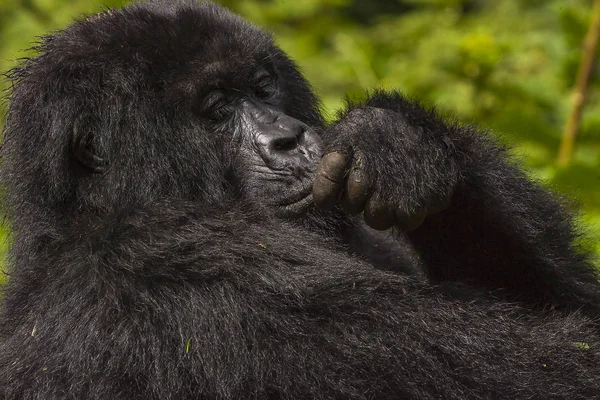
[[287, 143], [301, 134]]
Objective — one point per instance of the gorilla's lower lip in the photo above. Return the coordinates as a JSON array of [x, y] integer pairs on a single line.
[[301, 204], [300, 201]]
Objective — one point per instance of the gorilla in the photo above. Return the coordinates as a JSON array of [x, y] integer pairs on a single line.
[[186, 225]]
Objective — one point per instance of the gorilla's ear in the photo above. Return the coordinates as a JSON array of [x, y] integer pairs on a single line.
[[83, 149]]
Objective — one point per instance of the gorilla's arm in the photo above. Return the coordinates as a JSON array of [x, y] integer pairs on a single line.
[[471, 214], [502, 230], [218, 306]]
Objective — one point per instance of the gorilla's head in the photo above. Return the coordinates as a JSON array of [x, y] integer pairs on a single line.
[[185, 101]]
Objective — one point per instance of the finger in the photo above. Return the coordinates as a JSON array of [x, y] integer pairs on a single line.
[[329, 179], [357, 188], [409, 222], [377, 216]]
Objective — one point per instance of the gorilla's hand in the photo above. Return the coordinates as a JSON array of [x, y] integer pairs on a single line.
[[391, 163]]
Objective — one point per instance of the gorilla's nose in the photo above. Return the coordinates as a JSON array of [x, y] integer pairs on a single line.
[[283, 139], [286, 140]]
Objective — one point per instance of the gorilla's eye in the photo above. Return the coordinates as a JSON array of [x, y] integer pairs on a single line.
[[264, 86], [217, 106]]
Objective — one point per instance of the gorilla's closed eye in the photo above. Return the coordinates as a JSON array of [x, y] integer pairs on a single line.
[[265, 85], [216, 106]]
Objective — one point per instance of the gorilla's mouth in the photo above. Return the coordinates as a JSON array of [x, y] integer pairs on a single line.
[[300, 201], [300, 205]]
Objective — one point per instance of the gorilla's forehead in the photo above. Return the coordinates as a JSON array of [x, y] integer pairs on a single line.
[[163, 41]]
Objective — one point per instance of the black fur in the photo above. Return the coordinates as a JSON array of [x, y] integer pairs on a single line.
[[170, 276]]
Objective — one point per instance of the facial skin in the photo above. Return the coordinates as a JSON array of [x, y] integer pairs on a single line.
[[278, 154]]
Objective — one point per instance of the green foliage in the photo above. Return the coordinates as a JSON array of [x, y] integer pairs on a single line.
[[510, 65], [4, 238]]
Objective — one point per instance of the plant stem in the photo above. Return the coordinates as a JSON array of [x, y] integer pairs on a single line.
[[565, 151]]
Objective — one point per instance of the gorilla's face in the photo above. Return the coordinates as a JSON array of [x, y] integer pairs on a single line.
[[274, 154], [190, 102]]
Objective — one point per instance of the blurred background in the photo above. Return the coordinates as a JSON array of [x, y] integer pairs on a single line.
[[507, 65]]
